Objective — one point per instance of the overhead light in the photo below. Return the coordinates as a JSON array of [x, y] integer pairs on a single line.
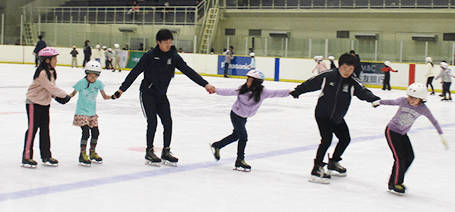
[[372, 36], [127, 29], [424, 37], [280, 34]]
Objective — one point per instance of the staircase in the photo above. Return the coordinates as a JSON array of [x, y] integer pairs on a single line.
[[209, 30], [27, 37]]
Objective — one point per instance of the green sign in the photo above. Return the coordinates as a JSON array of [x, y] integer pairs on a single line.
[[134, 58]]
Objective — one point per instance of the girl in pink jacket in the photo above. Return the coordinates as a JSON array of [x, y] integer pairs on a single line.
[[249, 99], [39, 96]]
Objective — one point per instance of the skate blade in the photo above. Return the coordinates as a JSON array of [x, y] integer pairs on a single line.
[[50, 164], [29, 166], [150, 163], [169, 163], [97, 162], [242, 169], [320, 180], [84, 164], [336, 173], [394, 192]]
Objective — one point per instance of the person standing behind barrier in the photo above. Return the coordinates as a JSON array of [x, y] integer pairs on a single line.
[[227, 61], [386, 81], [117, 58], [430, 74], [39, 45], [74, 54], [98, 54], [87, 52], [358, 65], [446, 76]]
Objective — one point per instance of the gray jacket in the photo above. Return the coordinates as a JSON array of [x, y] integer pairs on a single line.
[[445, 75]]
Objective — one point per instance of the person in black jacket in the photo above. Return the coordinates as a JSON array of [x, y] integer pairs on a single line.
[[39, 45], [337, 87], [358, 65], [158, 66], [87, 52]]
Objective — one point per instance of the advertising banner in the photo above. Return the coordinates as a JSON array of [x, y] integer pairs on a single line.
[[123, 58], [371, 73], [134, 59], [239, 66]]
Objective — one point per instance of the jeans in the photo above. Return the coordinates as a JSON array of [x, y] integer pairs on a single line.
[[239, 134]]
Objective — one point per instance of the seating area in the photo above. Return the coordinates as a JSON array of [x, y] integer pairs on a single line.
[[107, 3]]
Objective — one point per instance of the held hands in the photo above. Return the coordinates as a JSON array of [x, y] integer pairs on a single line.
[[444, 141], [294, 94], [376, 103], [210, 88], [63, 100], [117, 94]]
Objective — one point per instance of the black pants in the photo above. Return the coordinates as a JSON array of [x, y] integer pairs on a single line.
[[386, 81], [403, 154], [239, 134], [108, 64], [327, 128], [226, 68], [152, 106], [86, 59], [430, 83], [446, 89], [38, 117]]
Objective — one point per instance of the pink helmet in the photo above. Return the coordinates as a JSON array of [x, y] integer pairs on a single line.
[[48, 52], [256, 74]]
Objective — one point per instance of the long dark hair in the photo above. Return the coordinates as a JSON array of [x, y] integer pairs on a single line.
[[46, 67], [255, 88]]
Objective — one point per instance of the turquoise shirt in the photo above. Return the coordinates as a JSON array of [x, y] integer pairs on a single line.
[[86, 103]]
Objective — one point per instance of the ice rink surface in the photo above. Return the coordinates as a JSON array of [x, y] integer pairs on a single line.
[[282, 142]]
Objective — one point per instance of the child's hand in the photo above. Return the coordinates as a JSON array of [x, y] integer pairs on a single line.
[[444, 141], [210, 88], [376, 103]]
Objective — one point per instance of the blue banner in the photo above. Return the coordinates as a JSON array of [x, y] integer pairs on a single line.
[[371, 73], [239, 66]]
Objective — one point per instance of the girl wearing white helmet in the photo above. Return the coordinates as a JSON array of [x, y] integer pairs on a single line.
[[409, 110], [332, 63], [98, 53], [38, 99], [446, 76], [117, 57], [253, 61], [249, 98], [320, 66], [85, 116], [430, 73], [386, 82]]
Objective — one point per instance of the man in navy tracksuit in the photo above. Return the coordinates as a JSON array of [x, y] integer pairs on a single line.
[[158, 66], [337, 87]]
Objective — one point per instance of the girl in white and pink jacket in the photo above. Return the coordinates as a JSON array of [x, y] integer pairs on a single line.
[[249, 99]]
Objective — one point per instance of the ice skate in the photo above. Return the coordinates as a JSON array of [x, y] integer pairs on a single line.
[[397, 189], [215, 152], [151, 159], [318, 175], [95, 158], [29, 163], [335, 169], [83, 159], [167, 158], [242, 164], [50, 162]]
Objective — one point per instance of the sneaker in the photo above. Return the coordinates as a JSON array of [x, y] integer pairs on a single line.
[[318, 175], [397, 189], [242, 164], [215, 151], [151, 158], [50, 162], [83, 159], [29, 163], [335, 169], [95, 157]]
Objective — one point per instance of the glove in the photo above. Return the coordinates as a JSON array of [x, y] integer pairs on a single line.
[[294, 94], [376, 103], [116, 94], [63, 100], [444, 141]]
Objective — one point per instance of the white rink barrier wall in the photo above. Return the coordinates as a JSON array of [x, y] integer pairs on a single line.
[[289, 69]]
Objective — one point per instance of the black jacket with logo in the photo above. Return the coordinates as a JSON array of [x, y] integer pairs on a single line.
[[336, 94], [159, 69]]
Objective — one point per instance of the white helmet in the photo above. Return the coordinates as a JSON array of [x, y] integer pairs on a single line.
[[109, 49], [387, 63], [116, 45], [331, 58], [256, 74], [97, 46], [417, 90], [444, 65], [252, 54], [104, 47], [428, 59], [93, 66]]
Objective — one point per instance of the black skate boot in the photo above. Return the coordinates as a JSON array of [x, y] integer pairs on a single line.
[[215, 151], [318, 175], [335, 169], [29, 163], [151, 158], [397, 189], [95, 157], [168, 159], [83, 159], [242, 164], [50, 162]]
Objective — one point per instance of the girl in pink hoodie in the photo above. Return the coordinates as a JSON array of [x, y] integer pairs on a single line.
[[249, 99]]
